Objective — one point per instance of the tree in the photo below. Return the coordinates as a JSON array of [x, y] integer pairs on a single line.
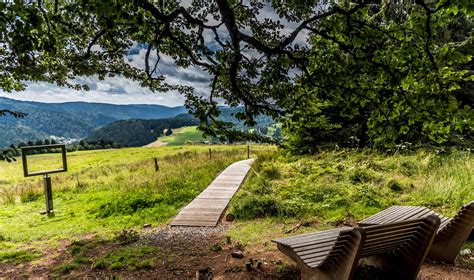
[[327, 50]]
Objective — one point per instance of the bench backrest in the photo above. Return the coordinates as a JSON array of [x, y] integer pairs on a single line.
[[463, 219], [397, 237]]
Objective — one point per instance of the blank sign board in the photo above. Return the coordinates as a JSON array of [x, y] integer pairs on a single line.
[[26, 151]]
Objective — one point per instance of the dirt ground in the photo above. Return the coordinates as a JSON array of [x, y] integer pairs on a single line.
[[183, 258]]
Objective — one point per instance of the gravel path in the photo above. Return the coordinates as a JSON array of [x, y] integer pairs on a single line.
[[177, 233]]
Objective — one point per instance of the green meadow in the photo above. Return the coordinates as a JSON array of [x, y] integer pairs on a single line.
[[106, 190], [339, 187], [183, 135]]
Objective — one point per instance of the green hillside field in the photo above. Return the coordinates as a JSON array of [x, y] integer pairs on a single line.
[[183, 134], [106, 190]]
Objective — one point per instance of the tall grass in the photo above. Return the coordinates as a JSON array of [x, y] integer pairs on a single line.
[[337, 186]]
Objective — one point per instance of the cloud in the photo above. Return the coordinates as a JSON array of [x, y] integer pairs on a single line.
[[112, 90], [119, 90]]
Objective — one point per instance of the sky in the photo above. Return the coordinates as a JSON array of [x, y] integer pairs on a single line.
[[119, 90]]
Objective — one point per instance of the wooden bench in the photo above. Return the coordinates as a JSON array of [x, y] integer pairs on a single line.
[[397, 249], [451, 235]]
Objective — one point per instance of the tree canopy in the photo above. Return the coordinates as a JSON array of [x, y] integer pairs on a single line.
[[382, 72]]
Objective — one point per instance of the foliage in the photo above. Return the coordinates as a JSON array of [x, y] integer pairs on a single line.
[[387, 79], [341, 68]]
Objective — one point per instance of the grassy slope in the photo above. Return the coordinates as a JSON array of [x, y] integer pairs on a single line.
[[106, 191], [181, 135], [341, 187]]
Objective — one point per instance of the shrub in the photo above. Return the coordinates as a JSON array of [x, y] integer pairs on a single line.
[[257, 206]]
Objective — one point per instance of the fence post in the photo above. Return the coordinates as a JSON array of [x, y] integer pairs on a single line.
[[157, 167], [248, 151], [210, 153]]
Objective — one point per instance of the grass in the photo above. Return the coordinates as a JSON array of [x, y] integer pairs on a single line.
[[341, 187], [183, 135], [129, 257], [106, 191], [18, 256], [119, 256]]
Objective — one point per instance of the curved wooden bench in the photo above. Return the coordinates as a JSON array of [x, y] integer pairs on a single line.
[[451, 235], [398, 249]]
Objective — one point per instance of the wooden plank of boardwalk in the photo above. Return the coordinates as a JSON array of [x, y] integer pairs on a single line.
[[207, 208]]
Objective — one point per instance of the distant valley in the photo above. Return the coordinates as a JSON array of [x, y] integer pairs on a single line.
[[127, 125], [72, 120]]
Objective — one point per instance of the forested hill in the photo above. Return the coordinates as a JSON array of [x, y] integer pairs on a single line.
[[70, 120], [136, 132], [140, 132]]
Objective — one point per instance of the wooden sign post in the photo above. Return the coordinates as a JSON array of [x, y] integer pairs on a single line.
[[48, 191]]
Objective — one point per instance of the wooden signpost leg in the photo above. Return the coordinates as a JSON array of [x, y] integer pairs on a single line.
[[48, 193]]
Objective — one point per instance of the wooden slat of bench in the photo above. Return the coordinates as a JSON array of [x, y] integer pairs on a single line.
[[390, 215], [372, 230], [420, 213], [314, 245], [396, 214], [310, 236], [314, 241], [390, 235], [382, 216]]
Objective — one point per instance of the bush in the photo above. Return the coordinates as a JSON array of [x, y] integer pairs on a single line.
[[258, 206]]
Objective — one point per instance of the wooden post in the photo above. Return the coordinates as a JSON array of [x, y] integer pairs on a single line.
[[210, 153], [48, 193], [248, 151], [157, 167]]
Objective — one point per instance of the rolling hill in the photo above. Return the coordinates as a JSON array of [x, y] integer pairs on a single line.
[[137, 132], [70, 120]]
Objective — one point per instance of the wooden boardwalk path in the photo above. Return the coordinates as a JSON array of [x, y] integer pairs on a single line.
[[207, 208]]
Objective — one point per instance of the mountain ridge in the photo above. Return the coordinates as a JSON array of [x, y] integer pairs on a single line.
[[74, 120]]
